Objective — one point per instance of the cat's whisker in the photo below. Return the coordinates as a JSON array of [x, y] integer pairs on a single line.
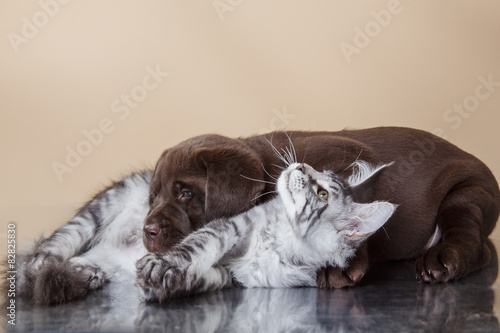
[[388, 237], [286, 154], [305, 154], [278, 166], [359, 155], [258, 180], [283, 158], [290, 156], [353, 163], [386, 232], [292, 147], [276, 151], [263, 194], [267, 173], [293, 158]]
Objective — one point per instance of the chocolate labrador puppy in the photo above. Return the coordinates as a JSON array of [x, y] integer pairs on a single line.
[[448, 200]]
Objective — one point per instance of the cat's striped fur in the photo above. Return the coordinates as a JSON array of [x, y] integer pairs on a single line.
[[313, 222], [101, 242]]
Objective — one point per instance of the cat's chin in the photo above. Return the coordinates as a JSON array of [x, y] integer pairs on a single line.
[[282, 185]]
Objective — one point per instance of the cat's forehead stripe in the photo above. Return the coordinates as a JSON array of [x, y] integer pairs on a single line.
[[332, 179]]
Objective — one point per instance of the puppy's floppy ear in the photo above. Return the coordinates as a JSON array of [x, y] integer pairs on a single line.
[[228, 190]]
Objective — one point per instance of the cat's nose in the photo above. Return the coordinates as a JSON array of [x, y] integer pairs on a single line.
[[302, 168]]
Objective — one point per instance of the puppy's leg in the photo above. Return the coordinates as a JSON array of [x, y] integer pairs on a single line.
[[336, 277], [466, 217]]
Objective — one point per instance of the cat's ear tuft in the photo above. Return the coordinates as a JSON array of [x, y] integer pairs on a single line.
[[365, 219], [363, 179]]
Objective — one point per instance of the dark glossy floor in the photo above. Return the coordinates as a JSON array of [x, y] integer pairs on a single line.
[[389, 300]]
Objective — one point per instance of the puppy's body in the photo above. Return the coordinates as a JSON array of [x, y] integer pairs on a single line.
[[448, 200]]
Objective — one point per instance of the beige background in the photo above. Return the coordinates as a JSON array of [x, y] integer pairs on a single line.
[[229, 76], [235, 67]]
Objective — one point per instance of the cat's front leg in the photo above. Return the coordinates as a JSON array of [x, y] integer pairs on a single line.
[[162, 276]]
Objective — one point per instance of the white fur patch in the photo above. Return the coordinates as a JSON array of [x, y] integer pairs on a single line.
[[363, 171], [435, 238]]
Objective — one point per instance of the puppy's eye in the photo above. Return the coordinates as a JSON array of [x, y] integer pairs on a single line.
[[322, 194], [186, 194]]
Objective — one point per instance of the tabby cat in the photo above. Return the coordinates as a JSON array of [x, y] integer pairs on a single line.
[[313, 222]]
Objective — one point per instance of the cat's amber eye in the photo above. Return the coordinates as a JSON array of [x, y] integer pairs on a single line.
[[322, 194]]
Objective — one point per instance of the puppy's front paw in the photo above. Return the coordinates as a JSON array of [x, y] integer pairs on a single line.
[[336, 277], [160, 277]]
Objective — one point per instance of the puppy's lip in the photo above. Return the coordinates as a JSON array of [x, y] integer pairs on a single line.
[[153, 247], [148, 244]]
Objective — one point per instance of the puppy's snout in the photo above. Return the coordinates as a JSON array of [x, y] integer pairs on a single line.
[[301, 168], [151, 230]]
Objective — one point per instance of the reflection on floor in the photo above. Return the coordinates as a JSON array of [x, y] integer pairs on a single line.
[[388, 300]]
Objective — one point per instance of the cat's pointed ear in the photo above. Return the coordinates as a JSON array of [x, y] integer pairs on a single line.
[[363, 179], [365, 219]]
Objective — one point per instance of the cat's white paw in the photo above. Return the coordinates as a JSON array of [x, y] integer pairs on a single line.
[[162, 276], [39, 260], [93, 274]]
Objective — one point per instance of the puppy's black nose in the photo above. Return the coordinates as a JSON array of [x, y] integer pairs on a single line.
[[301, 168], [151, 230]]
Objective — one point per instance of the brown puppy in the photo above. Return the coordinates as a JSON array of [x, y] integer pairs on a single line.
[[448, 200]]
